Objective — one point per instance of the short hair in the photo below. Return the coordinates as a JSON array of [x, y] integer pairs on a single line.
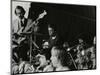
[[20, 8], [63, 56], [52, 26]]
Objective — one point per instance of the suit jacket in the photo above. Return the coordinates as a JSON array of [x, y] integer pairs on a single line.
[[53, 40], [16, 25], [17, 29]]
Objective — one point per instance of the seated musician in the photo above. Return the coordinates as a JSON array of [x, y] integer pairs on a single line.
[[52, 40], [18, 27], [53, 37]]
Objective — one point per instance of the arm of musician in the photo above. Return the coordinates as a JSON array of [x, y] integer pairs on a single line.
[[31, 25], [28, 26]]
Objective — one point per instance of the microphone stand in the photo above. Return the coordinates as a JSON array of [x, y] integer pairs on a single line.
[[72, 60], [71, 57]]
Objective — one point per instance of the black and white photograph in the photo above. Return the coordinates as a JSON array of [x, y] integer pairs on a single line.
[[52, 37]]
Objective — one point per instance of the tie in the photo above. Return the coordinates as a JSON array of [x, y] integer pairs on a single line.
[[22, 23], [21, 26]]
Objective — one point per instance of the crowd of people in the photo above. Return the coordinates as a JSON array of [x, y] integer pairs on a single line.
[[53, 56]]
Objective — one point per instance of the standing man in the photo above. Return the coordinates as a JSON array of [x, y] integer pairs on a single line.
[[19, 24], [19, 44]]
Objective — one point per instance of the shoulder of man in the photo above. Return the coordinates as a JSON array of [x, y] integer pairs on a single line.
[[15, 21]]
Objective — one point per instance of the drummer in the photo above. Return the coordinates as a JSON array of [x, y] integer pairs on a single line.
[[53, 37]]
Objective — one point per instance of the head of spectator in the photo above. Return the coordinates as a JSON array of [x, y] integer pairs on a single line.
[[60, 59], [43, 58], [51, 30]]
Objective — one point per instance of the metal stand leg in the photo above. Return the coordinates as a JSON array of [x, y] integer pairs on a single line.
[[72, 60], [30, 48]]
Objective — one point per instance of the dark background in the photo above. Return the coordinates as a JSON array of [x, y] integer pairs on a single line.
[[71, 21]]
